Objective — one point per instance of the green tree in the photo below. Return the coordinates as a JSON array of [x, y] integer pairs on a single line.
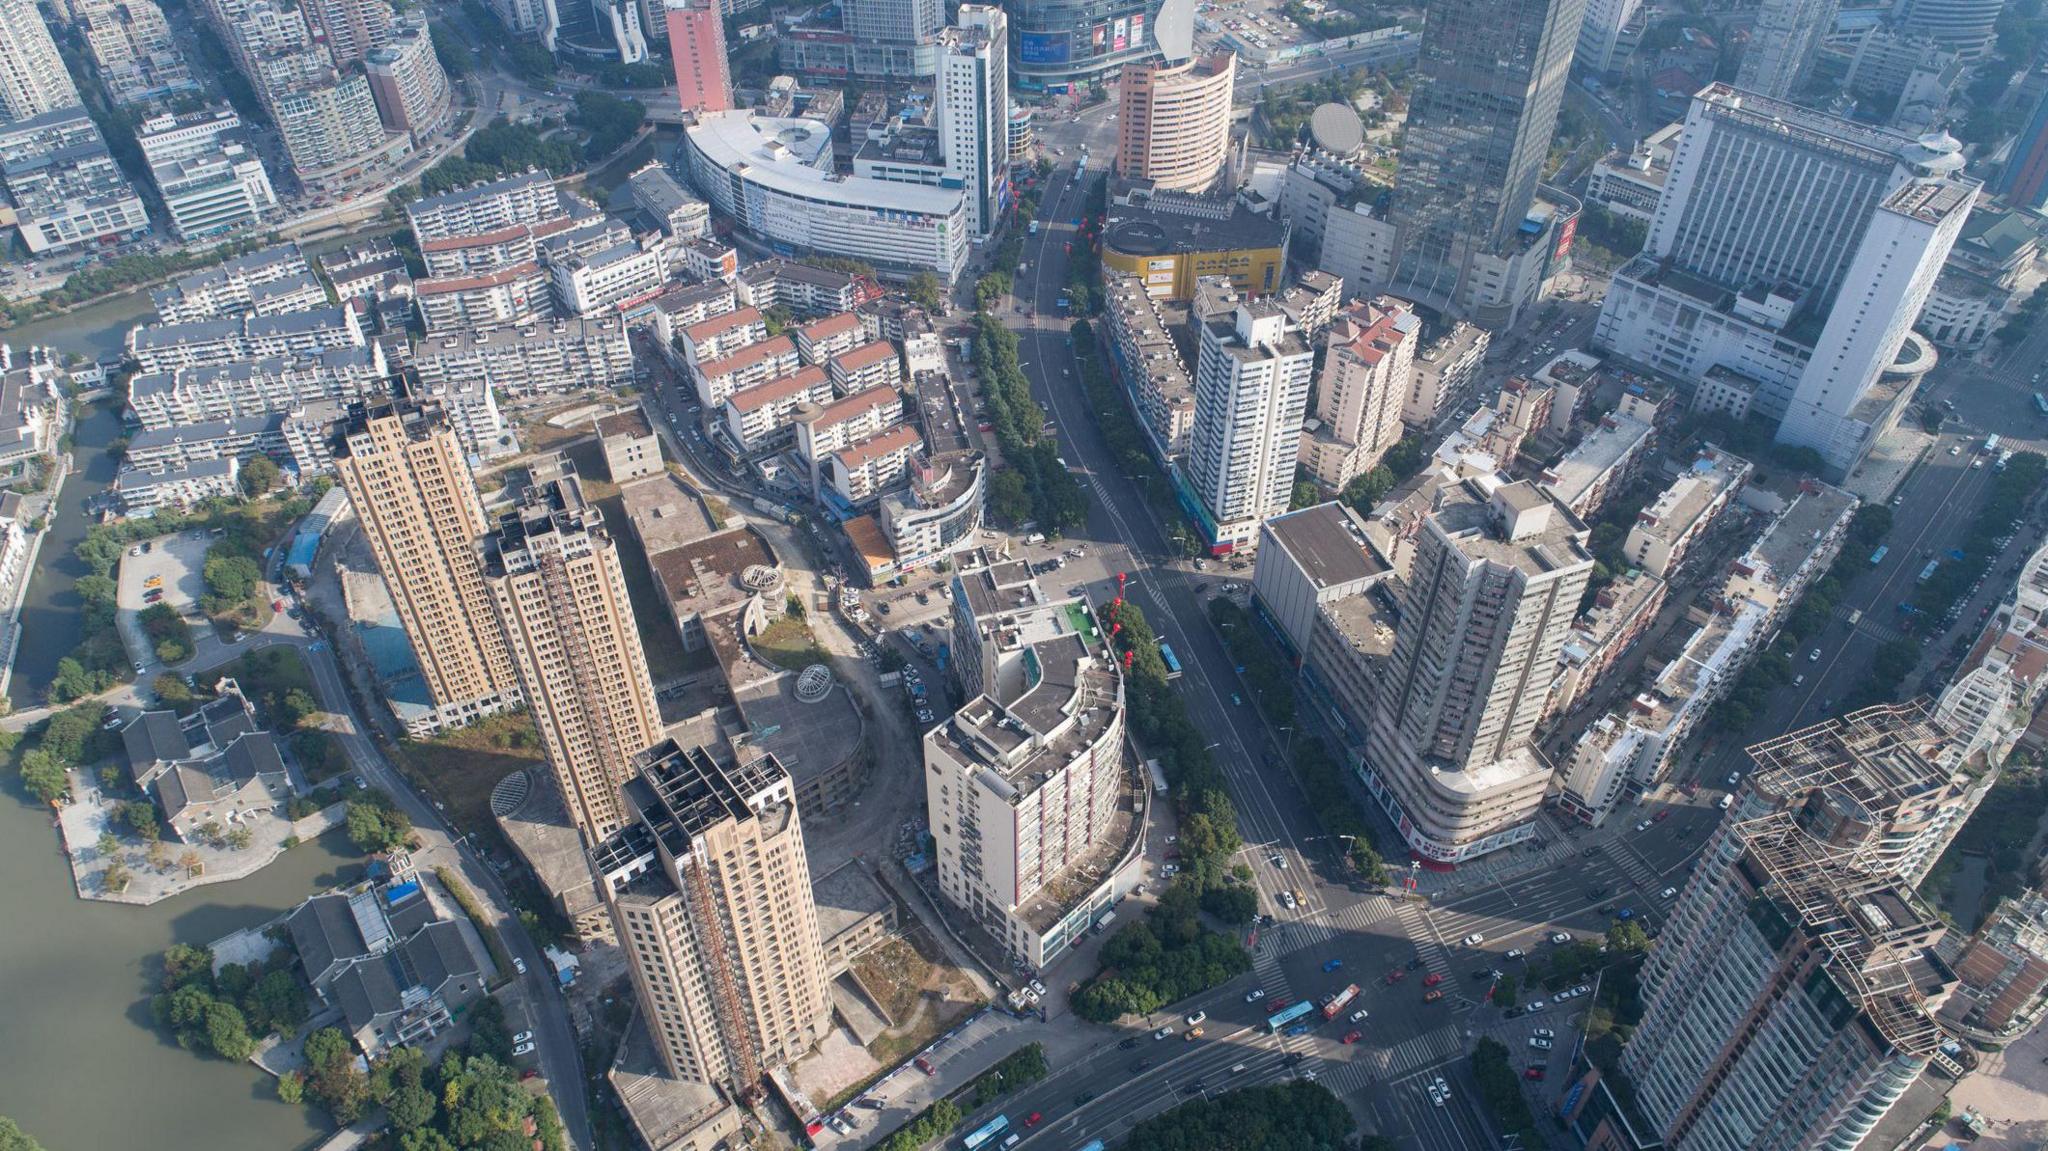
[[171, 690], [231, 578], [227, 1031], [926, 291], [291, 1088], [13, 1138], [411, 1107], [376, 827], [258, 475], [43, 775], [1231, 904], [296, 707], [1368, 488], [73, 735]]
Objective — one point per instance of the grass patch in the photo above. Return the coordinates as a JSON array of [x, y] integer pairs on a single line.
[[788, 642], [459, 768], [466, 899], [266, 676], [894, 973]]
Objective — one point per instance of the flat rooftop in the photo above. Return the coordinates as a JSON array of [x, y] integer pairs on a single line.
[[1678, 507], [1327, 542], [1879, 757], [630, 422], [846, 896], [1466, 511], [1795, 535], [1364, 621], [1171, 225], [665, 512], [1604, 448]]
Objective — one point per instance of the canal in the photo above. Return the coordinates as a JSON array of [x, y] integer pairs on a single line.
[[82, 1068]]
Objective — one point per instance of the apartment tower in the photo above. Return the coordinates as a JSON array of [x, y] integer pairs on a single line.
[[1368, 363], [1489, 599], [1251, 392], [973, 110], [1787, 1005], [1782, 47], [893, 37], [404, 472], [352, 27], [1173, 127], [553, 571], [32, 76], [711, 896], [696, 41]]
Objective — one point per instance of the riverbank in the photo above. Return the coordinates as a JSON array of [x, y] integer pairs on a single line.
[[17, 595], [82, 823]]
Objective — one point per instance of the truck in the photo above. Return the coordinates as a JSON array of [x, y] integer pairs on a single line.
[[1855, 617], [1336, 1005], [1158, 774]]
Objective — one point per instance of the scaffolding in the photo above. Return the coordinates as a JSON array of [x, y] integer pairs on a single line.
[[713, 944]]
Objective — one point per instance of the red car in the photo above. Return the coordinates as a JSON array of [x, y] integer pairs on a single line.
[[1396, 976], [1533, 1073], [925, 1065], [1432, 995], [1661, 816], [1353, 1036], [1033, 1119], [1432, 979], [1276, 1003]]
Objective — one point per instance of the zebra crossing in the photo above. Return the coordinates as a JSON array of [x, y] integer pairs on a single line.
[[1869, 627], [1415, 923], [1639, 872], [1328, 925], [1379, 1064]]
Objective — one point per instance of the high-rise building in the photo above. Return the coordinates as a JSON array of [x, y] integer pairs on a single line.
[[131, 45], [1491, 77], [2023, 183], [353, 27], [1060, 42], [1173, 126], [404, 472], [1966, 27], [1787, 1005], [553, 571], [408, 82], [1486, 605], [893, 37], [696, 41], [973, 110], [63, 185], [1368, 362], [331, 127], [1794, 250], [32, 76], [1600, 33], [711, 896], [1782, 46], [1251, 392]]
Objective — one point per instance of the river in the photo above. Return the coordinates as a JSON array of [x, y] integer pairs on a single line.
[[81, 1066]]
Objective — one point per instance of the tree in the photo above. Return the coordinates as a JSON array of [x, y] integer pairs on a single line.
[[190, 863], [258, 475], [1628, 937], [296, 707], [240, 837], [1009, 497], [116, 877], [231, 578], [275, 1003], [926, 291], [43, 776], [140, 816], [73, 735], [172, 690], [13, 1138], [227, 1032], [291, 1087], [411, 1106], [1231, 904], [375, 825], [335, 1083]]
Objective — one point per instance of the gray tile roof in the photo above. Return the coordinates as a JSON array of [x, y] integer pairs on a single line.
[[324, 933], [438, 953], [154, 737]]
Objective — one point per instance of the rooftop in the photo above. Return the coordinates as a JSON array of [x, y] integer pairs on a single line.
[[845, 896], [1513, 525], [1678, 507], [1327, 542], [1606, 447], [782, 154], [630, 422], [1170, 223], [1791, 541], [747, 357], [721, 324], [796, 383], [856, 456], [665, 512], [1878, 759]]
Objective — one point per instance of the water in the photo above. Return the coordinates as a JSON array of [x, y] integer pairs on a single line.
[[81, 1066]]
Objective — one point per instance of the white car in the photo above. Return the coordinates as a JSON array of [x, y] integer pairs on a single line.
[[1278, 860], [1560, 938], [1474, 939], [1254, 995], [523, 1037], [1668, 893], [1436, 1095], [1645, 825], [1540, 1044], [1537, 1008], [519, 965], [523, 1049], [1583, 989], [1163, 1032], [1197, 1018], [1358, 1016], [1544, 1033]]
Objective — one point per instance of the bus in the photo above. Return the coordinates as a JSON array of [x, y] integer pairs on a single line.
[[2041, 403], [1927, 573], [1275, 1023], [982, 1135], [1091, 1145], [1166, 657], [1990, 445], [1877, 557]]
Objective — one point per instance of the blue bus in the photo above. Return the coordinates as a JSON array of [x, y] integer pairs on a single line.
[[1091, 1145], [1282, 1019], [1166, 657], [2041, 403], [981, 1135], [1877, 557]]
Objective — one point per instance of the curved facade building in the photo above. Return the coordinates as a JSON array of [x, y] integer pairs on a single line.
[[1057, 43], [771, 176], [1965, 27], [1174, 126]]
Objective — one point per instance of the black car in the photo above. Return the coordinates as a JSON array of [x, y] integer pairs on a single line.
[[1084, 1098], [1129, 1043], [1140, 1065], [1194, 1088], [1294, 1057], [1415, 963]]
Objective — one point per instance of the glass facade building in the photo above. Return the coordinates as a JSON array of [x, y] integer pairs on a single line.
[[1058, 43]]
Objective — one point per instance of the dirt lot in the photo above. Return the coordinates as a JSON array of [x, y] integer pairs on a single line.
[[922, 994], [461, 767], [788, 642]]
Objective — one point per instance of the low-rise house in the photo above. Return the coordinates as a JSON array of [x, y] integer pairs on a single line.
[[382, 954]]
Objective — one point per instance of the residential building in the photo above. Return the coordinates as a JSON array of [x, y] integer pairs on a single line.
[[233, 390], [859, 473], [696, 42], [1990, 702], [765, 173], [33, 79], [1621, 613], [686, 306], [718, 336], [1173, 123], [1368, 365], [1965, 27], [131, 47], [553, 571], [2002, 972], [200, 343], [2023, 182], [938, 512], [803, 288], [711, 895], [515, 294], [1485, 606], [631, 446], [1630, 185], [474, 252], [1251, 392], [760, 416], [1600, 465], [1172, 240], [752, 364], [1479, 127], [140, 492], [1783, 45], [1666, 530], [536, 359], [827, 336], [607, 281], [972, 111], [404, 471], [1025, 785], [60, 180], [1442, 370], [236, 439], [529, 198], [710, 260], [1148, 365], [893, 37], [408, 83], [264, 282], [353, 29], [216, 192], [871, 365], [1902, 80], [1816, 303], [822, 429], [1307, 560], [380, 954], [1600, 33], [679, 215], [1788, 1001]]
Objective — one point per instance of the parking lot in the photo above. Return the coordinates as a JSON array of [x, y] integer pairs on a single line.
[[168, 572]]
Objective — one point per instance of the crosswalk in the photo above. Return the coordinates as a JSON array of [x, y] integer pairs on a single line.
[[1415, 924], [1328, 925], [1869, 626], [1632, 865], [1380, 1064]]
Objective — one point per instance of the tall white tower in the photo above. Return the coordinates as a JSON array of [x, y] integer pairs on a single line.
[[1251, 392], [974, 110]]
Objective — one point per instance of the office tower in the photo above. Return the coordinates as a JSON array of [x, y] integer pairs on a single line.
[[1787, 1002], [1251, 391], [1490, 80], [696, 40], [973, 111], [1791, 251], [1600, 31], [553, 571], [32, 76], [1061, 42], [353, 27], [1881, 784], [1022, 784], [1368, 363], [405, 475], [1488, 600], [408, 83], [1966, 27], [1782, 47], [2024, 181], [711, 896], [1173, 127], [893, 37]]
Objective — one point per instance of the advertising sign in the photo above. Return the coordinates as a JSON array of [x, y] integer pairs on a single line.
[[1122, 38], [1565, 235], [1101, 38], [1043, 47], [1138, 30]]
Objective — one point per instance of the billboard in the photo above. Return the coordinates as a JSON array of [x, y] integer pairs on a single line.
[[1043, 47], [1566, 233], [1138, 30], [1122, 39], [1101, 38]]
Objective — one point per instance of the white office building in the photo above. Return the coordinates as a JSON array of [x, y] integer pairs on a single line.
[[1251, 392], [973, 111]]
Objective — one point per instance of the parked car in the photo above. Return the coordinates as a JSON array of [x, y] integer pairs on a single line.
[[1540, 1044], [523, 1049]]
